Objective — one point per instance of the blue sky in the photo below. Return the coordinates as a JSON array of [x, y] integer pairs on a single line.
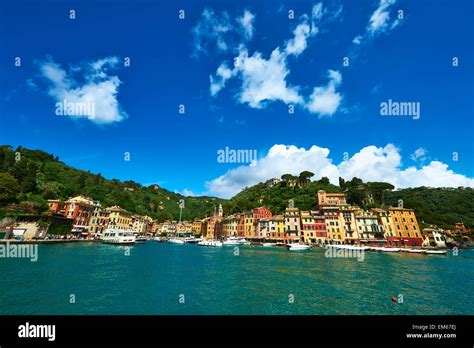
[[336, 128]]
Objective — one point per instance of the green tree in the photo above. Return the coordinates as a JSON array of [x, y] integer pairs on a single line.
[[9, 188]]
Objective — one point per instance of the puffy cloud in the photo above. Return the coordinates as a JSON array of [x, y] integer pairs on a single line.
[[265, 79], [325, 100], [371, 163], [218, 81], [222, 31], [419, 155], [381, 17], [379, 21], [246, 21], [89, 84]]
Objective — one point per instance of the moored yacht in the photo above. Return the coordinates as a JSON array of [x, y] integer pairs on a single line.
[[298, 247], [235, 241], [385, 249], [176, 241], [114, 236], [192, 240], [211, 243]]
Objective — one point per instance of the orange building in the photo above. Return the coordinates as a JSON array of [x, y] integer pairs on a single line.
[[406, 231]]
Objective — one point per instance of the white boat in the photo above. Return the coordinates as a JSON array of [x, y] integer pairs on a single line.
[[140, 239], [269, 244], [298, 247], [211, 243], [235, 241], [114, 236], [435, 251], [414, 251], [386, 249], [175, 241], [350, 247], [192, 240]]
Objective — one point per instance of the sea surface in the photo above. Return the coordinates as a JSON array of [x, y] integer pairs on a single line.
[[162, 278]]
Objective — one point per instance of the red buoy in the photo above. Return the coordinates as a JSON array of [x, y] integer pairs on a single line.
[[394, 299]]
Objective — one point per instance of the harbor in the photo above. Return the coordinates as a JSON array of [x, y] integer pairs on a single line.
[[149, 279]]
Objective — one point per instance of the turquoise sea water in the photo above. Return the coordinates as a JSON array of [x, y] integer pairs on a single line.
[[153, 278]]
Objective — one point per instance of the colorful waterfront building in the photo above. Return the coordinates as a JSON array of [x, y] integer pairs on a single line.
[[292, 225], [212, 228], [229, 226], [308, 227], [248, 225], [197, 227], [241, 225], [433, 237], [79, 209], [320, 227], [263, 228], [276, 226], [405, 228], [119, 218], [138, 224], [368, 228], [99, 219], [347, 219], [384, 220], [334, 225]]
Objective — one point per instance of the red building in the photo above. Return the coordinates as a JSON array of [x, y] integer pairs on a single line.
[[261, 213], [241, 225], [80, 210], [320, 227]]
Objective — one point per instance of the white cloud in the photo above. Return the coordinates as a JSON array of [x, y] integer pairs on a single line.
[[222, 31], [419, 155], [186, 192], [325, 100], [246, 21], [90, 83], [265, 80], [379, 21], [371, 163], [357, 40], [381, 17], [218, 81]]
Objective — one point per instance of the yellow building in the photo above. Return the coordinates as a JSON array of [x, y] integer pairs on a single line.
[[248, 224], [347, 219], [119, 218], [384, 220], [229, 226], [197, 227], [334, 223], [405, 228], [276, 227], [99, 219], [308, 227]]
